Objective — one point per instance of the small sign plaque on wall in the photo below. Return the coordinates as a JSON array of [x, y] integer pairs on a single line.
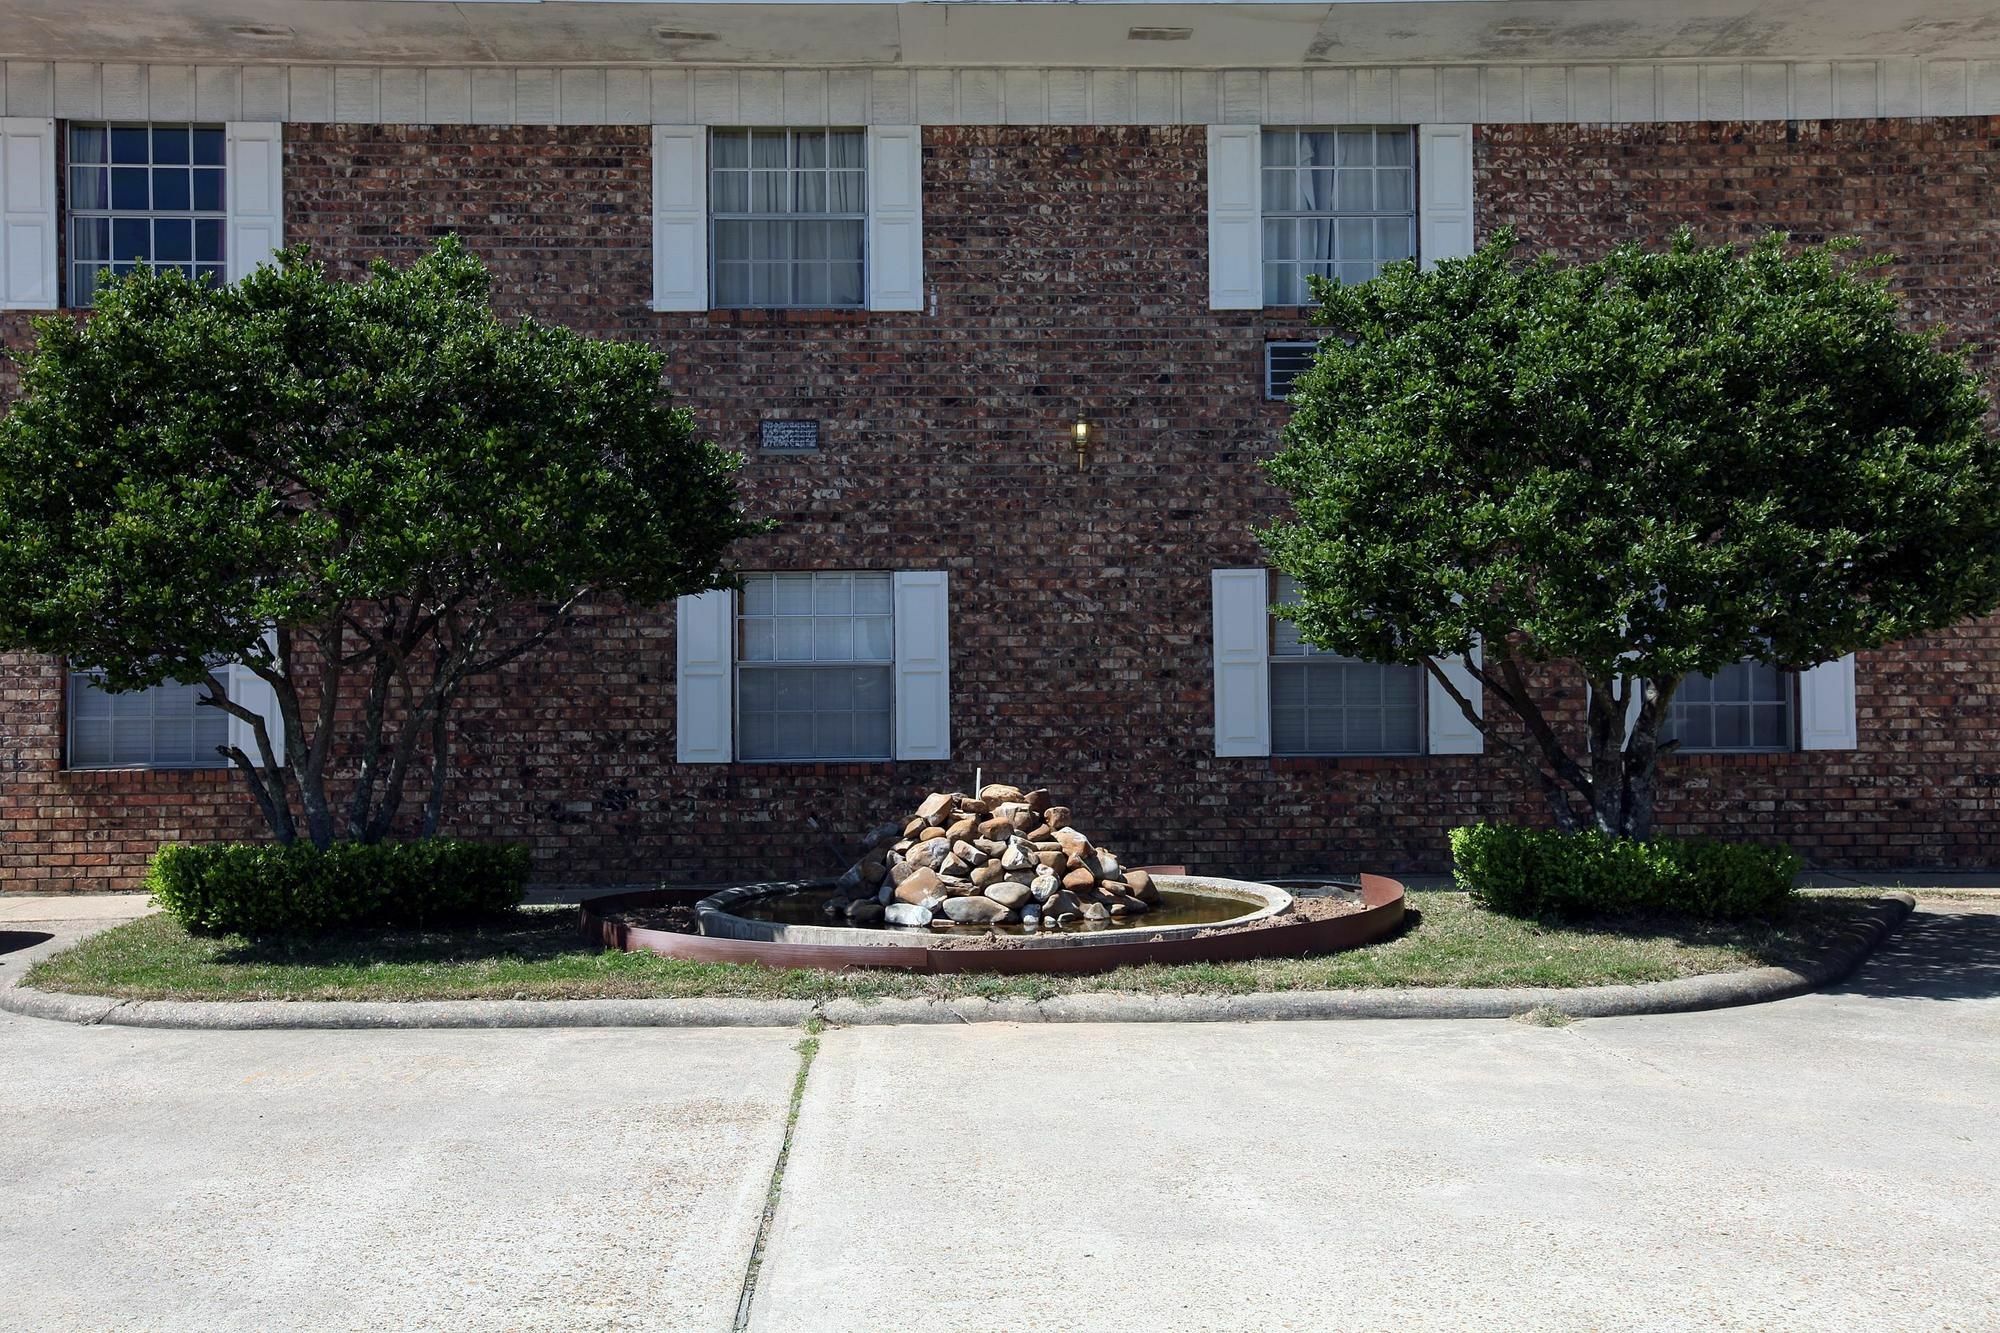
[[788, 437]]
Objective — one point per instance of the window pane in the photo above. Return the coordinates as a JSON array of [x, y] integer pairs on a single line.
[[128, 189], [129, 144], [89, 187], [208, 240], [208, 147], [173, 239], [767, 148], [170, 145], [872, 593], [89, 143], [792, 594], [794, 638], [729, 192], [833, 639], [171, 191], [208, 191], [847, 148], [131, 238], [729, 148]]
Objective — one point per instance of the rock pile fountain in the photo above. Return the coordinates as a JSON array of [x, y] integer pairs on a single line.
[[997, 881], [1001, 857]]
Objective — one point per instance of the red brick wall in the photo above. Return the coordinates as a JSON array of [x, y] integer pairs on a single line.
[[1070, 271]]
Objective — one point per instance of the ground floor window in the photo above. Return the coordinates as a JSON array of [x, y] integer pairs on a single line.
[[1746, 706], [163, 727], [815, 666], [1326, 704]]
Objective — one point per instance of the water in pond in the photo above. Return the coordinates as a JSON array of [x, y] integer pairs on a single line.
[[1176, 908]]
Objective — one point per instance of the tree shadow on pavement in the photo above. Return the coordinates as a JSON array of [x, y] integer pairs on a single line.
[[1939, 954], [13, 941]]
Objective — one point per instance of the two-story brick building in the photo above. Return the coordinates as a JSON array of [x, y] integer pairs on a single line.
[[896, 253]]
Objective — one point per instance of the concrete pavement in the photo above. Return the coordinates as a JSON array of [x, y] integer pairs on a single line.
[[382, 1180], [1823, 1162]]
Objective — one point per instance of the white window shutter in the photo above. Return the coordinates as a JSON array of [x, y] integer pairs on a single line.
[[896, 217], [1235, 217], [703, 640], [1450, 731], [680, 217], [248, 688], [1826, 707], [256, 187], [1444, 192], [923, 664], [1242, 615], [27, 214]]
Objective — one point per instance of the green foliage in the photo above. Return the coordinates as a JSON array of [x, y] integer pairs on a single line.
[[1544, 872], [1644, 467], [1691, 456], [404, 485], [194, 463], [271, 888]]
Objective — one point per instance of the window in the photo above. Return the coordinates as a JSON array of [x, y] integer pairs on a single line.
[[1283, 364], [1746, 706], [163, 727], [1326, 704], [143, 194], [788, 212], [1336, 203], [815, 666]]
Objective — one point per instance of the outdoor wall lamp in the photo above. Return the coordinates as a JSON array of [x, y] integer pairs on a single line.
[[1079, 435]]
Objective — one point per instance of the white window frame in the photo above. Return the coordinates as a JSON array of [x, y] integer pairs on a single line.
[[892, 245], [1334, 216], [772, 665], [239, 683], [1445, 206], [152, 215], [1240, 604], [1309, 654], [920, 678], [1790, 681], [859, 218], [77, 682]]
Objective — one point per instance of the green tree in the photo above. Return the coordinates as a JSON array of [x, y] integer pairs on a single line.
[[1617, 474], [369, 493]]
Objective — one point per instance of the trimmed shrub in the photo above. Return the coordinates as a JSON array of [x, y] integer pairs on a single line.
[[269, 888], [1536, 872]]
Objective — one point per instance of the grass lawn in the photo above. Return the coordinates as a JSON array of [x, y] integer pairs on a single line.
[[538, 955]]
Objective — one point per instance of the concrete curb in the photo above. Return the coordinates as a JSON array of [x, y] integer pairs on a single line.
[[1720, 991]]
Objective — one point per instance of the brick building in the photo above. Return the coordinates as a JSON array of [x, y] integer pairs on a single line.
[[896, 261]]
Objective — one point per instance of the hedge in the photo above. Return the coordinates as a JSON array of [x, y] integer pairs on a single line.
[[297, 888], [1535, 872]]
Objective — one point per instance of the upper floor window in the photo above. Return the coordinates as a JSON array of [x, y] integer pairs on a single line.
[[1337, 204], [816, 656], [1326, 704], [788, 212], [144, 195], [163, 727], [1745, 706]]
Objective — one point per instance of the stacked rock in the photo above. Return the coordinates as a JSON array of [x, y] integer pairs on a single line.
[[1002, 856]]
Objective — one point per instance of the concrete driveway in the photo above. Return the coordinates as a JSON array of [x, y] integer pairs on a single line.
[[1826, 1162]]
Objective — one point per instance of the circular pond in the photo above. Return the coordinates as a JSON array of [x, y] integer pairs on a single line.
[[810, 907], [724, 926]]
